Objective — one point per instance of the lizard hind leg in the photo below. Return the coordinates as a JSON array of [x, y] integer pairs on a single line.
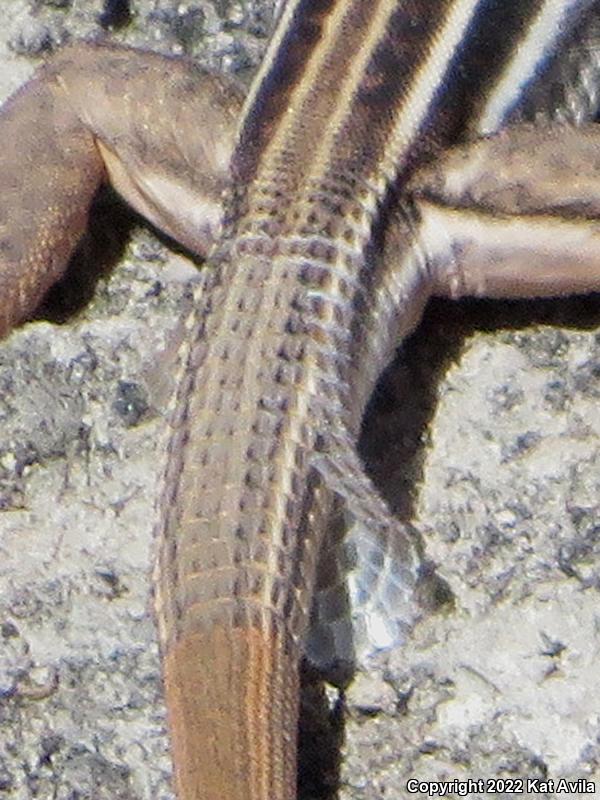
[[158, 129], [373, 582]]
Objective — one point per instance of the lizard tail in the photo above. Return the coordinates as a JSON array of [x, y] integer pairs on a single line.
[[232, 695]]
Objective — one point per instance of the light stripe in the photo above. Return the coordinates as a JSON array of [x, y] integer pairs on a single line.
[[310, 79], [284, 24], [539, 42], [348, 90], [426, 84]]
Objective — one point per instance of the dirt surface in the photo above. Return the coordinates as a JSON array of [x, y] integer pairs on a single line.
[[485, 433]]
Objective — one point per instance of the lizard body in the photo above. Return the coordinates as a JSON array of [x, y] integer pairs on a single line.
[[271, 773]]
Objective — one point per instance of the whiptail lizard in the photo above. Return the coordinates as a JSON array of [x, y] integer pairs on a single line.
[[302, 314]]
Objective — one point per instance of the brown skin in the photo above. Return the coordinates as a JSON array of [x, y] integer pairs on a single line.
[[78, 185], [81, 121]]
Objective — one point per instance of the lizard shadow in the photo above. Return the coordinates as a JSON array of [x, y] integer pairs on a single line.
[[393, 437], [103, 245]]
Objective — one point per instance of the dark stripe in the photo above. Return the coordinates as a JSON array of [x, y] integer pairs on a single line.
[[386, 83], [497, 29], [566, 85], [285, 72]]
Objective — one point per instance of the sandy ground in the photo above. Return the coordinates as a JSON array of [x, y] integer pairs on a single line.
[[485, 432]]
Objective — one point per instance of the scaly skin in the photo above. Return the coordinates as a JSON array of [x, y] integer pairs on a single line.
[[263, 420]]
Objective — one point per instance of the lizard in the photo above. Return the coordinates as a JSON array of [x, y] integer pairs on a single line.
[[373, 512]]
